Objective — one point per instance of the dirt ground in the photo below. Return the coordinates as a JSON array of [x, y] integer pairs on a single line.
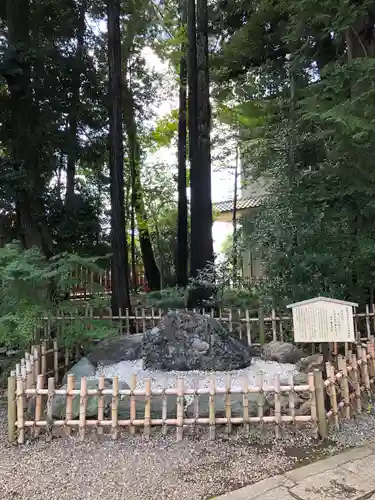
[[160, 469]]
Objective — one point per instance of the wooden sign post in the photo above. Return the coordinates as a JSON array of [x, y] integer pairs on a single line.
[[324, 321]]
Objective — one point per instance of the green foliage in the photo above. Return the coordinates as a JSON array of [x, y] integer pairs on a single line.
[[301, 76], [77, 226], [169, 298], [165, 130], [216, 280], [33, 288], [241, 297], [316, 230]]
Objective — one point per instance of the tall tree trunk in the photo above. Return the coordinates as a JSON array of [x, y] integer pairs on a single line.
[[30, 210], [204, 141], [193, 137], [120, 267], [132, 230], [234, 220], [201, 205], [73, 143], [182, 215], [151, 269]]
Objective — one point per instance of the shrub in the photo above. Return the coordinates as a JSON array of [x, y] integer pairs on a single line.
[[169, 298], [33, 288], [220, 291]]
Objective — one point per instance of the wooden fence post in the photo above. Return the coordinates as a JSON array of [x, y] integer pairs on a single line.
[[101, 387], [212, 419], [133, 386], [49, 410], [344, 386], [71, 383], [245, 404], [12, 409], [320, 404], [44, 359], [56, 361], [228, 406], [147, 414], [20, 417], [36, 363], [262, 336], [38, 403], [311, 380], [356, 382], [180, 409], [114, 409], [277, 406], [82, 408]]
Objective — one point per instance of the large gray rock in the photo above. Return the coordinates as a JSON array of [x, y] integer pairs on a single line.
[[282, 352], [156, 407], [191, 341], [84, 368], [116, 349], [59, 402], [236, 402]]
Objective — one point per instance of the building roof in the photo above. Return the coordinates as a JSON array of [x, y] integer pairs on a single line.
[[242, 203], [322, 299]]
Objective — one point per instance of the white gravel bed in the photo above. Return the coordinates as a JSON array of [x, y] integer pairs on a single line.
[[162, 379]]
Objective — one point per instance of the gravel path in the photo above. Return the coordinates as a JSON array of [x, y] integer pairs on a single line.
[[161, 469]]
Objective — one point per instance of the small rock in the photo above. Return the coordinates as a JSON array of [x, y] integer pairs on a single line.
[[301, 379], [284, 401], [305, 408], [81, 369], [236, 401], [282, 352], [12, 352], [116, 349], [310, 363]]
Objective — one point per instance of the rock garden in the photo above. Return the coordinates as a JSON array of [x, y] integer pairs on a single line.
[[194, 347]]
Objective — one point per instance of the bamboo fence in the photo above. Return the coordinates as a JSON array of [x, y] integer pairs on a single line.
[[44, 359], [349, 384], [342, 391], [254, 327], [28, 385]]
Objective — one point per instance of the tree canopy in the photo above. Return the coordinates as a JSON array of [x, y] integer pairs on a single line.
[[290, 83]]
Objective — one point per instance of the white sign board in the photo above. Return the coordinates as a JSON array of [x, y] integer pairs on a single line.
[[323, 320]]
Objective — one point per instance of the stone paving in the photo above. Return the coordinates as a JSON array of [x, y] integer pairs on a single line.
[[347, 476]]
